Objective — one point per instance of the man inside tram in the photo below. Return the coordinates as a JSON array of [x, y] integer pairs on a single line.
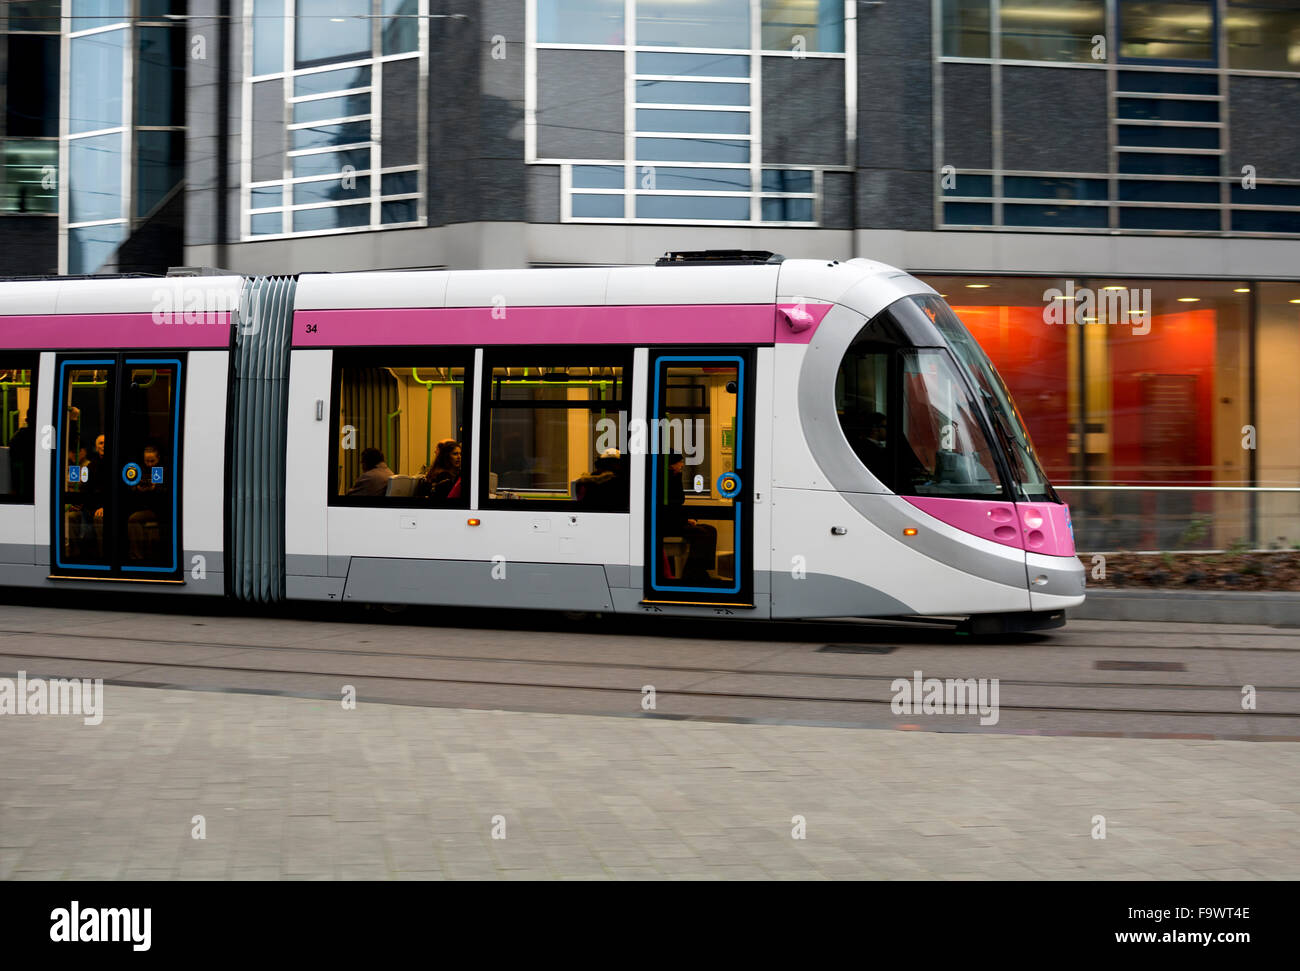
[[701, 538], [375, 473]]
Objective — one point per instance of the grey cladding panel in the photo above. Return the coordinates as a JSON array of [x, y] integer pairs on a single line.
[[1262, 114], [580, 104], [543, 193], [532, 586], [803, 111], [269, 132], [401, 131], [1054, 120], [967, 116]]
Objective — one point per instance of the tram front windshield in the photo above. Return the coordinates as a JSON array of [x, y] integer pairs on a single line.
[[1032, 483]]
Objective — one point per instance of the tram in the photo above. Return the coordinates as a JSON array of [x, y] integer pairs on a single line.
[[723, 433]]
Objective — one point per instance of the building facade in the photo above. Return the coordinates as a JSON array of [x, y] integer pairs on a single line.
[[93, 143]]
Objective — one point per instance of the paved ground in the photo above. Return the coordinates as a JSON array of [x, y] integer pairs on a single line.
[[301, 788]]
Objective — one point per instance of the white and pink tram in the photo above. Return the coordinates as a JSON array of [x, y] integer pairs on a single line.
[[723, 433]]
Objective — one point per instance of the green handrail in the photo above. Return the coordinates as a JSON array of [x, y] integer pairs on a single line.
[[388, 434], [428, 416]]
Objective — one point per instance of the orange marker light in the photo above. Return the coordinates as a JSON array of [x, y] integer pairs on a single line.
[[473, 522], [909, 531]]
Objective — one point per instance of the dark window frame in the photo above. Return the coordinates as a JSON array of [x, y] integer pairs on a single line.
[[34, 357], [614, 355], [423, 356]]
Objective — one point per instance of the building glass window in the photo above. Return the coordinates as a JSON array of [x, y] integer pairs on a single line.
[[29, 182], [694, 154], [331, 30], [803, 25], [556, 434], [1167, 30], [337, 177], [1051, 30], [402, 429], [1263, 35], [966, 28], [587, 22]]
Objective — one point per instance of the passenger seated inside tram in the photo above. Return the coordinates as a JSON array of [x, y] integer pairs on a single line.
[[442, 480], [701, 538], [375, 473], [84, 523], [605, 487], [149, 500]]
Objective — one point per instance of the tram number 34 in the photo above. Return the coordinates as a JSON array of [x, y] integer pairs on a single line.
[[311, 328]]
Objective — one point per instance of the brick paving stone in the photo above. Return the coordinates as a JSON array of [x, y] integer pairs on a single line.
[[295, 788]]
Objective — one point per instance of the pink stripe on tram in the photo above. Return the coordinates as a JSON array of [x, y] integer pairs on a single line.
[[679, 324], [103, 331]]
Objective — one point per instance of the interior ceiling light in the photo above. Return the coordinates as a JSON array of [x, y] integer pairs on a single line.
[[1113, 288], [1242, 290], [977, 286], [1189, 299]]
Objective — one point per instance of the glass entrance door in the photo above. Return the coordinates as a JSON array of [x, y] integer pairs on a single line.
[[698, 525], [117, 465]]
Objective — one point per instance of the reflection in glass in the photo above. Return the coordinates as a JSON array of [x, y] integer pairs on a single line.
[[692, 207], [160, 166], [331, 30], [323, 82], [1263, 36], [1048, 30], [580, 22], [692, 93], [95, 178], [966, 28], [399, 183], [29, 171], [598, 177], [331, 217], [597, 207], [98, 13], [326, 108], [788, 210], [95, 83], [696, 179], [327, 163], [90, 247], [695, 65], [319, 136], [401, 28], [805, 25], [1167, 30], [691, 150], [706, 23], [268, 36], [703, 122], [332, 190]]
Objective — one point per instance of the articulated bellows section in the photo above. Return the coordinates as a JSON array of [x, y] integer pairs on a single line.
[[259, 396]]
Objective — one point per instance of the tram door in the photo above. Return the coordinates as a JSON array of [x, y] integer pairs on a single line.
[[698, 520], [117, 467]]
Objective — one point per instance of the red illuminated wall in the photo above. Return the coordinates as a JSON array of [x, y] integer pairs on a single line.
[[1150, 375], [1033, 360]]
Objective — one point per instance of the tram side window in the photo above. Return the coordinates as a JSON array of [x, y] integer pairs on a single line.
[[402, 435], [18, 427], [862, 403], [556, 434]]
